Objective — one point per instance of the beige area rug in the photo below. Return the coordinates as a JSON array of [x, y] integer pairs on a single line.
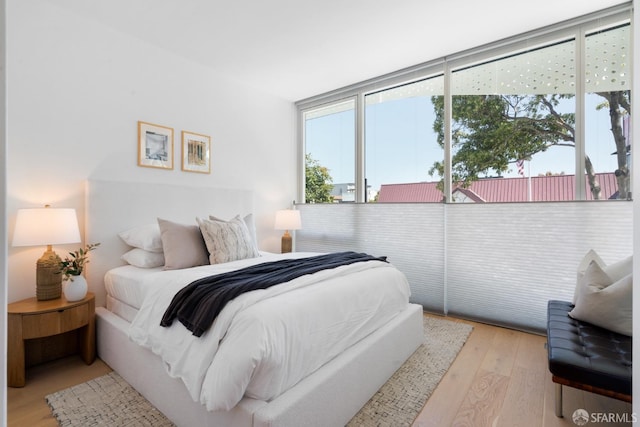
[[400, 399], [104, 401], [110, 401]]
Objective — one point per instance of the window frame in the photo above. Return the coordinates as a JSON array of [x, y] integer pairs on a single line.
[[576, 29], [302, 138]]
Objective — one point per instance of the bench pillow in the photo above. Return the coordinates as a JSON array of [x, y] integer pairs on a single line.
[[615, 271], [604, 302]]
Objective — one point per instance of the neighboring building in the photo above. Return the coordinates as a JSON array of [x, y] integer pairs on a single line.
[[551, 188], [346, 193]]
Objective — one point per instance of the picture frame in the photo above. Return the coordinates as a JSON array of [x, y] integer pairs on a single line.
[[155, 146], [196, 152]]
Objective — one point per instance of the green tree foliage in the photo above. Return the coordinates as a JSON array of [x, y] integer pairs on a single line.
[[490, 132], [318, 181]]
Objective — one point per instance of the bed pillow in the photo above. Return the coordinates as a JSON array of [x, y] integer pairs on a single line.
[[143, 259], [603, 302], [145, 237], [183, 245], [227, 240], [615, 271], [248, 221]]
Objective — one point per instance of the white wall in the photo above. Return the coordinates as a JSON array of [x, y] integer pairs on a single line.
[[76, 91]]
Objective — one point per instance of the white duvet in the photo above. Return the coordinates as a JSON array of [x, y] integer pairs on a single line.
[[265, 341]]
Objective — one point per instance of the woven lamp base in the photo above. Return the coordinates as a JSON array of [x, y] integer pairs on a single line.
[[47, 292], [48, 276]]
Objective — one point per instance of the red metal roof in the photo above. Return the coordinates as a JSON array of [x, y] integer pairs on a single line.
[[543, 188]]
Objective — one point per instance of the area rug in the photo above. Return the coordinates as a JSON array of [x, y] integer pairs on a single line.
[[104, 401], [400, 399], [110, 401]]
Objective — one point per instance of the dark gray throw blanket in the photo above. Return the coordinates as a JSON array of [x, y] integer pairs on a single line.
[[197, 304]]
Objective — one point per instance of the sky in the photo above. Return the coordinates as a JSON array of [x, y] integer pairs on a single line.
[[401, 146]]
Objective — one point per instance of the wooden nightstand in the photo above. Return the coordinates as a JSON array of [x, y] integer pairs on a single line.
[[48, 329]]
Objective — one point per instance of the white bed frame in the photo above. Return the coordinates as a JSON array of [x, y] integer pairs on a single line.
[[331, 396]]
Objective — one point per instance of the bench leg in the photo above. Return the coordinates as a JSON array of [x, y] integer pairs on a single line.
[[558, 400]]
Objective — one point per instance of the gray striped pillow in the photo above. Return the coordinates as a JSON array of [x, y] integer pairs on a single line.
[[227, 240]]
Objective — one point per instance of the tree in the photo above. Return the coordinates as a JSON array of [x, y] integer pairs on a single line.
[[619, 106], [318, 181], [492, 131]]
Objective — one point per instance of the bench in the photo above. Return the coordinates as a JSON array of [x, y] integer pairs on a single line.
[[586, 357]]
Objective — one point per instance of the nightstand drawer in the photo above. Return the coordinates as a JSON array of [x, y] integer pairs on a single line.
[[54, 322]]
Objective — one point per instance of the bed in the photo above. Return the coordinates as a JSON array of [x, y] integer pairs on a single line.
[[325, 395]]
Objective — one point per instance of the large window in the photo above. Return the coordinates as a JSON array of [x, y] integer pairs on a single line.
[[607, 144], [401, 144], [513, 127], [329, 134], [540, 118]]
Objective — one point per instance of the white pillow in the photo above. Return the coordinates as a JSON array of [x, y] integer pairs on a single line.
[[183, 245], [143, 259], [251, 226], [248, 221], [145, 237], [620, 269], [227, 240], [603, 302], [615, 271]]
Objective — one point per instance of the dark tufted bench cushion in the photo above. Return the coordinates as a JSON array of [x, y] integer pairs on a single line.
[[585, 356]]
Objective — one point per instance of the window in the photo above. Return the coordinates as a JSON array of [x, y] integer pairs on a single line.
[[329, 139], [537, 118], [400, 142], [607, 113], [513, 127]]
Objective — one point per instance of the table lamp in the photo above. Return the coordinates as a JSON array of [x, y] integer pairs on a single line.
[[46, 226], [287, 219]]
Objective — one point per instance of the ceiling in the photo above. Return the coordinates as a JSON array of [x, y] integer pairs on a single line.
[[296, 49]]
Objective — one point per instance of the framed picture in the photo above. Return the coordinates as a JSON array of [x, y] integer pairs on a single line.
[[155, 146], [196, 152]]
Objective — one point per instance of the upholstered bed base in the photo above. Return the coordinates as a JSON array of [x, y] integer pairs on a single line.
[[331, 396]]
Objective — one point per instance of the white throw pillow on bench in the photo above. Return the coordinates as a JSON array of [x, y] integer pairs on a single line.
[[615, 271], [603, 301]]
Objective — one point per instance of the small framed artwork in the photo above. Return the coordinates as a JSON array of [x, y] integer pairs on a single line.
[[196, 152], [155, 146]]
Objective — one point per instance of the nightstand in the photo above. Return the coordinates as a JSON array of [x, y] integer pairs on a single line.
[[45, 330]]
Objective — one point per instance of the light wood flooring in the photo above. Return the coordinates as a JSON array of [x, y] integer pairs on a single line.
[[500, 378]]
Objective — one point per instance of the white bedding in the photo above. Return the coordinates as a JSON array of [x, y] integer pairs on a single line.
[[124, 283], [260, 346]]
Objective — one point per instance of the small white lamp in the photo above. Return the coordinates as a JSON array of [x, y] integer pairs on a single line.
[[46, 226], [286, 220]]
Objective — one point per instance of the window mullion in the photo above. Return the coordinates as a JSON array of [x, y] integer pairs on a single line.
[[361, 185], [580, 182], [447, 133]]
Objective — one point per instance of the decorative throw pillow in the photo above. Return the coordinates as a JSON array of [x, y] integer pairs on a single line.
[[615, 271], [620, 269], [227, 240], [143, 259], [145, 237], [183, 245], [603, 302], [248, 221]]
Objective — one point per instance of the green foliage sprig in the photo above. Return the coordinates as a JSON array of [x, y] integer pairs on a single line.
[[73, 266]]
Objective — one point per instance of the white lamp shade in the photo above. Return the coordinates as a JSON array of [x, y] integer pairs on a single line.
[[288, 219], [46, 226]]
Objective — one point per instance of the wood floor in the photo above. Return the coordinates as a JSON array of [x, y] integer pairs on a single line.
[[499, 378]]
